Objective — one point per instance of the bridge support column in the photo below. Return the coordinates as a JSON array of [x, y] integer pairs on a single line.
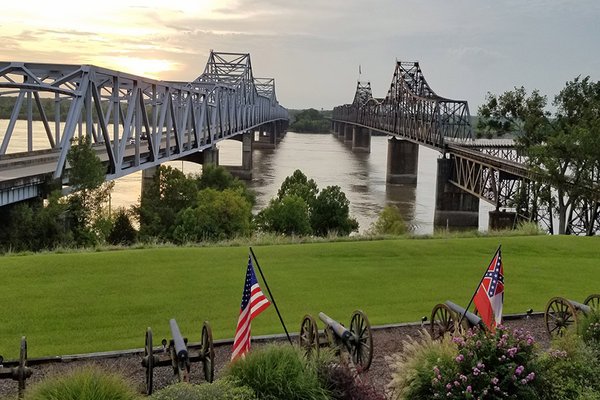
[[267, 137], [147, 178], [361, 140], [210, 156], [502, 220], [453, 206], [402, 161], [348, 133]]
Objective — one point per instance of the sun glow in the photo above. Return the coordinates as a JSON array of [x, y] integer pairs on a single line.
[[149, 68]]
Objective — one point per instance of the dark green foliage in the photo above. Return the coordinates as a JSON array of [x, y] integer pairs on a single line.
[[216, 215], [570, 371], [222, 389], [389, 222], [288, 216], [32, 226], [83, 384], [169, 192], [310, 120], [86, 177], [278, 372], [330, 213], [219, 178], [298, 184], [122, 231], [563, 146]]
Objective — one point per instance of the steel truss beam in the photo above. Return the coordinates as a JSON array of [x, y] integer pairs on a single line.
[[133, 122]]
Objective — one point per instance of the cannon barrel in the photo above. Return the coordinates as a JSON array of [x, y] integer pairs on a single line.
[[473, 319], [178, 342], [338, 328], [581, 307]]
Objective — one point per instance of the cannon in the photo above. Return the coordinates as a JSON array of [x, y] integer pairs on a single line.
[[358, 340], [445, 319], [178, 355], [17, 370], [561, 313]]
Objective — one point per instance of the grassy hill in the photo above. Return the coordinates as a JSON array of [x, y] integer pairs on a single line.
[[97, 301]]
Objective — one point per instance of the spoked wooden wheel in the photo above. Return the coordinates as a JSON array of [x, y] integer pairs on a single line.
[[309, 335], [362, 350], [593, 300], [560, 315], [208, 353], [148, 361], [442, 321]]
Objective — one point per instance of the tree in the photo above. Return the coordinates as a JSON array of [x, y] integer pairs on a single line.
[[389, 222], [288, 216], [562, 147], [87, 179], [330, 213], [169, 192], [217, 177], [298, 184], [122, 231], [216, 215]]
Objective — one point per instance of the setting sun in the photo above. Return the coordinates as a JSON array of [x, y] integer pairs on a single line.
[[149, 68]]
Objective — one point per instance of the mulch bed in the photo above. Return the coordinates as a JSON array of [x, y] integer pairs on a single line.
[[386, 342]]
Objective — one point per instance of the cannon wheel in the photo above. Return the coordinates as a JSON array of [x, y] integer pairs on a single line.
[[208, 353], [149, 361], [362, 350], [593, 300], [309, 335], [442, 321], [560, 314], [22, 373]]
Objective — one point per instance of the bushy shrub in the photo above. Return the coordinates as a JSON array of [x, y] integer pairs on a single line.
[[570, 370], [83, 384], [223, 389], [412, 369], [589, 329], [278, 372], [389, 222], [484, 365]]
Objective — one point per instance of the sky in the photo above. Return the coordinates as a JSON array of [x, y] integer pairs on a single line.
[[313, 49]]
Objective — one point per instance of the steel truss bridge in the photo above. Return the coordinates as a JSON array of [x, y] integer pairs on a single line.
[[491, 170], [133, 122]]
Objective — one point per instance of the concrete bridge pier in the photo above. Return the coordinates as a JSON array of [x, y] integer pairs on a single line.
[[244, 171], [502, 220], [402, 161], [348, 131], [453, 206], [361, 140], [267, 137], [147, 178]]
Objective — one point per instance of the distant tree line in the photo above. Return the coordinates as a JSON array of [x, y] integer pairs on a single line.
[[310, 121]]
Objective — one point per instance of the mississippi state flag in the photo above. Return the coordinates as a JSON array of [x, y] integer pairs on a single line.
[[253, 303], [490, 294]]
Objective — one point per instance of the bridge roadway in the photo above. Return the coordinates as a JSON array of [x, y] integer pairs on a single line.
[[134, 123]]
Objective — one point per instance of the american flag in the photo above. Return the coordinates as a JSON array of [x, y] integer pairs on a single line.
[[489, 298], [253, 303]]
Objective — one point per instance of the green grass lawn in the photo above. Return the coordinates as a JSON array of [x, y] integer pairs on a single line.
[[99, 301]]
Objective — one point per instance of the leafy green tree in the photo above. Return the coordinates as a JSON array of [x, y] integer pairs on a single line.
[[299, 185], [288, 216], [389, 222], [216, 215], [122, 231], [87, 179], [563, 147], [310, 120], [219, 178], [169, 192], [330, 213]]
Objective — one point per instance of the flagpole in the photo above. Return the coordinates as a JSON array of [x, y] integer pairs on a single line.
[[477, 288], [270, 295]]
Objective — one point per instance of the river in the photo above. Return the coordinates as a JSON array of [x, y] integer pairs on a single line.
[[321, 157]]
